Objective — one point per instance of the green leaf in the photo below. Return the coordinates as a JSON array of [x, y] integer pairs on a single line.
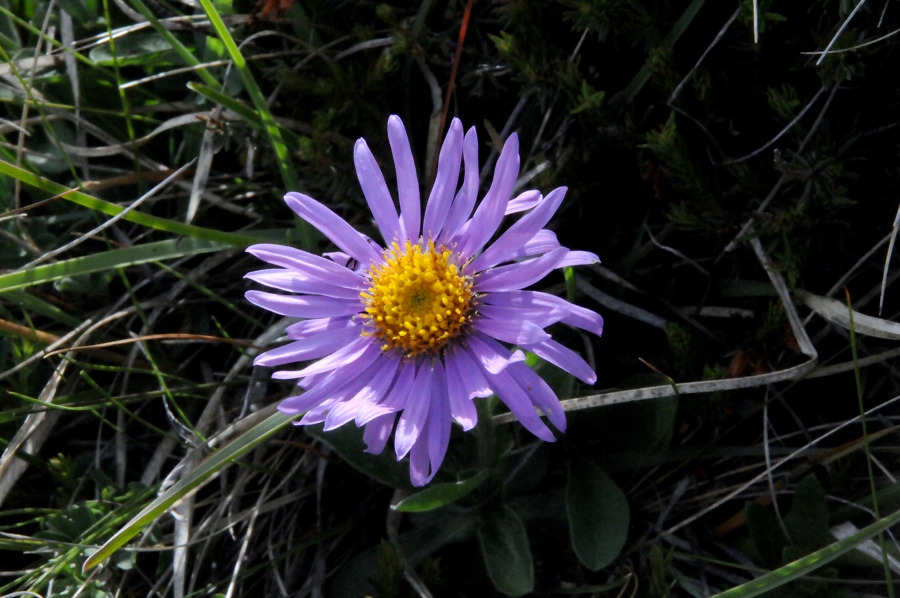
[[133, 49], [766, 535], [638, 428], [598, 514], [807, 521], [507, 554], [439, 495], [190, 483], [79, 11]]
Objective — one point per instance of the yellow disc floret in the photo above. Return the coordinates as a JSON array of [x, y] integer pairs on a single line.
[[418, 300]]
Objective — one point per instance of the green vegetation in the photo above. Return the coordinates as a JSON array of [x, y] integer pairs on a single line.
[[740, 440]]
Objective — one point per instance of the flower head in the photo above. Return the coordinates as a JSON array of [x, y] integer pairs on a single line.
[[407, 334]]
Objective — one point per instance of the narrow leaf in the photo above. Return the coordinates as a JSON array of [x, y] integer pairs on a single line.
[[173, 41], [190, 483], [806, 565], [249, 115], [88, 201], [116, 258], [285, 164]]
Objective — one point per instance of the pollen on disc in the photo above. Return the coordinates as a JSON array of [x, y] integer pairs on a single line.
[[406, 304]]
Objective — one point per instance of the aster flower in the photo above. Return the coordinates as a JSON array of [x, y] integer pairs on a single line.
[[407, 334]]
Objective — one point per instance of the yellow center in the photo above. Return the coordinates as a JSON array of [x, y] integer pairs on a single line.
[[418, 300]]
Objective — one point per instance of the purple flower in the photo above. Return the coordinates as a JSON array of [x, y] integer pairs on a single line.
[[408, 334]]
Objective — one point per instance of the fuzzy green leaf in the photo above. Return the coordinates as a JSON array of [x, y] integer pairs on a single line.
[[438, 495], [598, 514], [507, 553]]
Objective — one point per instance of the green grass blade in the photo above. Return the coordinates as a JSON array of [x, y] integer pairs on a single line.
[[250, 116], [285, 164], [194, 480], [39, 306], [116, 258], [88, 201], [180, 48], [862, 420], [259, 101], [130, 256], [811, 562]]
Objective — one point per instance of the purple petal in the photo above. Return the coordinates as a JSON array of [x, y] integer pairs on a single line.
[[519, 233], [438, 432], [462, 409], [470, 373], [311, 347], [339, 257], [294, 282], [366, 397], [375, 189], [370, 400], [441, 196], [523, 201], [377, 433], [407, 179], [345, 356], [418, 464], [565, 359], [302, 403], [490, 354], [304, 306], [322, 412], [307, 382], [540, 316], [540, 393], [573, 315], [319, 393], [511, 330], [465, 199], [313, 266], [543, 242], [514, 397], [585, 319], [334, 227], [412, 421], [519, 275], [301, 330], [403, 386], [369, 356], [579, 258], [490, 213]]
